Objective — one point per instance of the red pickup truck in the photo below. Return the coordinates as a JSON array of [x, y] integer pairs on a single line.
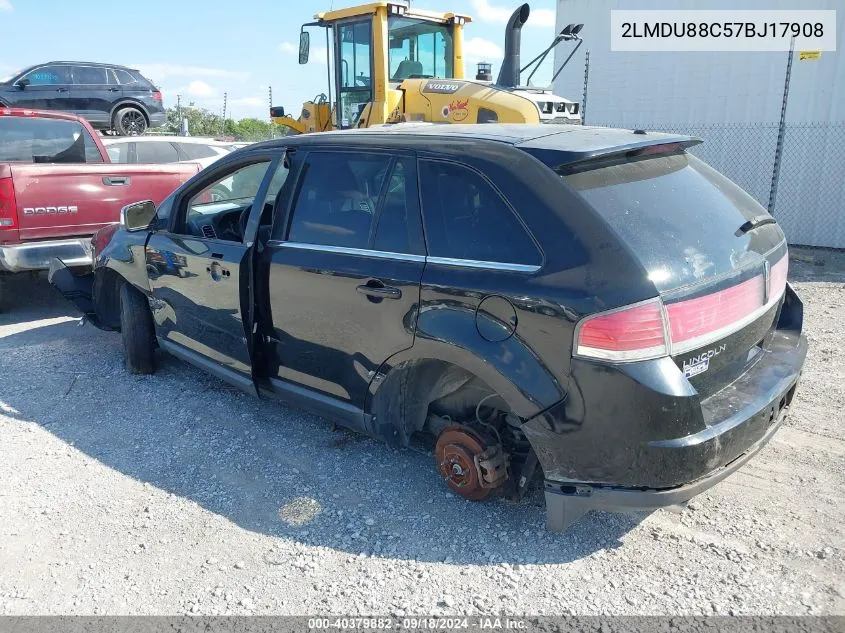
[[58, 187]]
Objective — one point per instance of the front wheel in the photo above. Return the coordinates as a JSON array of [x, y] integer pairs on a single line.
[[136, 328], [130, 122]]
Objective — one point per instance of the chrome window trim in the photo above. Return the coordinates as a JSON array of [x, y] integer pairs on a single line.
[[473, 263], [345, 250], [444, 261]]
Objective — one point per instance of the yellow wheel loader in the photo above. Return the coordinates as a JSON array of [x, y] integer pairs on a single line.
[[388, 63]]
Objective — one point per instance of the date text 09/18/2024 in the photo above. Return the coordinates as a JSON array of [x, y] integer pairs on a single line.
[[479, 623]]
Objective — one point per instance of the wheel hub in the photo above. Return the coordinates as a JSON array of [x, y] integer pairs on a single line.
[[469, 466]]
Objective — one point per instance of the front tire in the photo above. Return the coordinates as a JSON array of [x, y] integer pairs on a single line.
[[136, 328], [130, 122]]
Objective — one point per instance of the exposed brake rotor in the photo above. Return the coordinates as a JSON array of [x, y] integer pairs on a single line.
[[471, 467]]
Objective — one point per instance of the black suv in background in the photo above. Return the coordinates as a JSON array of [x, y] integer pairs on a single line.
[[110, 97], [596, 302]]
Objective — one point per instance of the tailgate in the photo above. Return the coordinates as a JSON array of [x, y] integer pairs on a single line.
[[713, 254], [57, 200]]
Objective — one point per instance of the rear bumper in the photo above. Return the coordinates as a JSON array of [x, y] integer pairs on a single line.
[[566, 503], [157, 119], [640, 436], [38, 255]]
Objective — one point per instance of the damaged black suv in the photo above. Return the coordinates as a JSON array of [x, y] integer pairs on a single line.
[[596, 306]]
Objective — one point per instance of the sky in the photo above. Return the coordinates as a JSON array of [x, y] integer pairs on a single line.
[[203, 49]]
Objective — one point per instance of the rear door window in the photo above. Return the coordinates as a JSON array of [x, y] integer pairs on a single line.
[[156, 152], [399, 226], [466, 218], [89, 75], [34, 140], [338, 198]]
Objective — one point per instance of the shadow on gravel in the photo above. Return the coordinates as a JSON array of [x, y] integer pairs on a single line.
[[267, 467]]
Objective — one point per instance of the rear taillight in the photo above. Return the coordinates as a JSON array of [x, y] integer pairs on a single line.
[[8, 207], [651, 329], [156, 96], [632, 333], [777, 278], [694, 321]]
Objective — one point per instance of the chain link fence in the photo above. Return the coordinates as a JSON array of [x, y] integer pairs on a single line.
[[810, 203]]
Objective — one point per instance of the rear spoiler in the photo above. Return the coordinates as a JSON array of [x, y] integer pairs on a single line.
[[626, 155], [567, 162]]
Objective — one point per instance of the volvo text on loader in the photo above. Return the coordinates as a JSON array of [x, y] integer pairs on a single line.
[[392, 63]]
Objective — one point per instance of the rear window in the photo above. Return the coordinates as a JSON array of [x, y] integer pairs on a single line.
[[33, 140], [678, 215], [123, 77]]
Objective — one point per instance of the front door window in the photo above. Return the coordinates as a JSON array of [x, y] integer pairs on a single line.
[[354, 45]]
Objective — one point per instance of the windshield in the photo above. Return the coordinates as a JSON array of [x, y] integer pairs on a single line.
[[419, 49], [8, 78]]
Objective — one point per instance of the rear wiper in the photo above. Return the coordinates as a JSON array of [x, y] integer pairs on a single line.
[[753, 223]]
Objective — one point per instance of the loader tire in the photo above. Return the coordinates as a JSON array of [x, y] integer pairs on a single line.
[[136, 328]]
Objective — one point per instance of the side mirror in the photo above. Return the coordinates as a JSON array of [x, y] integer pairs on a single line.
[[277, 111], [22, 83], [138, 215], [304, 46]]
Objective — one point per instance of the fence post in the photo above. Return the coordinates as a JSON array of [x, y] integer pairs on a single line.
[[586, 80], [773, 191]]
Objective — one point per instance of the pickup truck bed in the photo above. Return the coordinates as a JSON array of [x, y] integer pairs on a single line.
[[60, 206]]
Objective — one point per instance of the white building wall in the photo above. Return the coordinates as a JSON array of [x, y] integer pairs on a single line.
[[679, 88], [731, 100]]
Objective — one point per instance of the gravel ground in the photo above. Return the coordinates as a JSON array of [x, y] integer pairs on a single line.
[[174, 494]]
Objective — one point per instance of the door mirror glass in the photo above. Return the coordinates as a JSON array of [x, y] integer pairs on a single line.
[[304, 46], [138, 215], [23, 82]]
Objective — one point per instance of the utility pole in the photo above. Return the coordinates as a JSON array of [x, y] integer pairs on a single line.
[[270, 97], [179, 114], [223, 124]]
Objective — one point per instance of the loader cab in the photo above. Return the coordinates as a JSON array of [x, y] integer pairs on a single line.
[[377, 46]]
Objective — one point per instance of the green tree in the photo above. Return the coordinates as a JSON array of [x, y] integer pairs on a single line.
[[202, 122]]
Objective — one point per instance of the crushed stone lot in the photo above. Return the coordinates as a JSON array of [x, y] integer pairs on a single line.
[[175, 494]]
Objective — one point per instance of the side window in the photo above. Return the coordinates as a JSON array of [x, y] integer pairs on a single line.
[[195, 151], [124, 77], [465, 218], [338, 198], [216, 211], [89, 75], [118, 152], [156, 152], [399, 227], [49, 76]]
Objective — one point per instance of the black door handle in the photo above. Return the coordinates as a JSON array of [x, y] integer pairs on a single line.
[[61, 89], [381, 291], [116, 180], [114, 89]]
